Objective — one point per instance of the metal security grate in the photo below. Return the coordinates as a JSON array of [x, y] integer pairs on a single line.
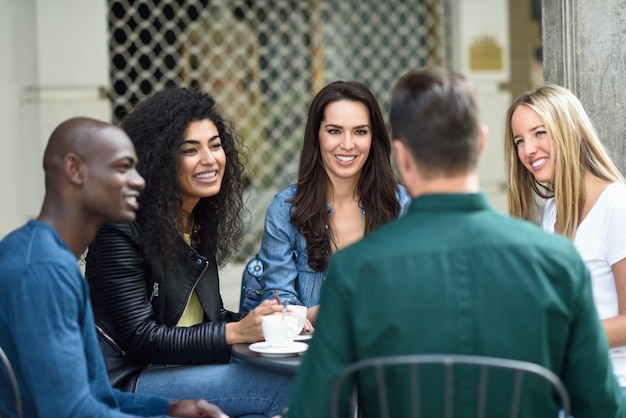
[[263, 60]]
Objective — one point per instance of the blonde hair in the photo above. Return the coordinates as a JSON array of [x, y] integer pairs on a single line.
[[575, 148]]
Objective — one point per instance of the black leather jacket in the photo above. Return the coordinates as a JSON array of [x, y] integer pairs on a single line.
[[138, 300]]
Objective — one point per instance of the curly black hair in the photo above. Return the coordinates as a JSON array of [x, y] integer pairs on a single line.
[[156, 127]]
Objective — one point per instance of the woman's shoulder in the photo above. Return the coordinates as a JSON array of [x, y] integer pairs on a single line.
[[126, 228], [281, 203], [402, 192], [615, 190], [287, 193], [613, 198], [112, 231], [404, 199]]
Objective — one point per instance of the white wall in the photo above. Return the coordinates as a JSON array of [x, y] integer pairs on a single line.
[[471, 21], [54, 61], [10, 156]]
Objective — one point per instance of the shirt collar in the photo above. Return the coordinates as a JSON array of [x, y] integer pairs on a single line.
[[450, 202]]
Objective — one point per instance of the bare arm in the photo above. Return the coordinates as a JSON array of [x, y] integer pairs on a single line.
[[615, 327]]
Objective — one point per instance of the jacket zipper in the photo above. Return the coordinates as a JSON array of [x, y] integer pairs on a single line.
[[155, 291], [110, 340], [206, 265]]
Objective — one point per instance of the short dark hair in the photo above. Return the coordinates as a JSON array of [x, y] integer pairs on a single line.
[[434, 112]]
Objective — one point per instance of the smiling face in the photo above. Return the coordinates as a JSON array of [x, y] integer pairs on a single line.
[[345, 137], [112, 183], [202, 164], [534, 146]]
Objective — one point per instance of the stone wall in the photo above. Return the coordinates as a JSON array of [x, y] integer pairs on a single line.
[[584, 49]]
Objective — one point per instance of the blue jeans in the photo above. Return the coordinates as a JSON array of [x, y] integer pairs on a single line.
[[238, 389]]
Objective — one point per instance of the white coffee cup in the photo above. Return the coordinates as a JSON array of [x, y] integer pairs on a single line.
[[279, 331], [300, 312]]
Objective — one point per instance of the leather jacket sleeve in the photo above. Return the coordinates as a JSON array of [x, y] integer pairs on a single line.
[[124, 287]]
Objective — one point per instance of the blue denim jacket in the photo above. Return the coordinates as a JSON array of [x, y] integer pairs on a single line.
[[282, 263]]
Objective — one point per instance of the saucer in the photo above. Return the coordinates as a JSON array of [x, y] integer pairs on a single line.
[[304, 336], [292, 349]]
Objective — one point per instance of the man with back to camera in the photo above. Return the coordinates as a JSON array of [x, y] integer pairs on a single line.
[[46, 321], [454, 276]]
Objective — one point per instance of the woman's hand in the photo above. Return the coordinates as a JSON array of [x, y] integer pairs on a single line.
[[311, 314], [308, 326], [248, 329], [194, 408]]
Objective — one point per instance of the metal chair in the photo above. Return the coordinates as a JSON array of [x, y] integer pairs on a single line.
[[13, 382], [482, 366]]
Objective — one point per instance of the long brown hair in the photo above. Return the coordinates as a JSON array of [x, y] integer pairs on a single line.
[[377, 184]]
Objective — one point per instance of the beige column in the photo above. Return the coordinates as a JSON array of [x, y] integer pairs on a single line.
[[480, 50], [54, 65], [584, 49]]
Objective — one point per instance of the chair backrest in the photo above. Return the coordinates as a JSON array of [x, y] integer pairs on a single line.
[[483, 364], [13, 382]]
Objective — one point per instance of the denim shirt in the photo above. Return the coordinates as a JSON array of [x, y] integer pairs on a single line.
[[283, 263]]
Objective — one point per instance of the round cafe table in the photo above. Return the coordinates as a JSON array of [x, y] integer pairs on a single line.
[[287, 364]]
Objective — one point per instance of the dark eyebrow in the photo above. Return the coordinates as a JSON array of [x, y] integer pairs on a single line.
[[331, 125], [196, 142], [126, 159]]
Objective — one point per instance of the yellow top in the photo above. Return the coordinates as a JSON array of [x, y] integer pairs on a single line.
[[193, 313]]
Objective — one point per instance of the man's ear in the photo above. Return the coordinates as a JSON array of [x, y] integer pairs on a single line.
[[484, 133], [406, 166], [401, 154], [74, 168]]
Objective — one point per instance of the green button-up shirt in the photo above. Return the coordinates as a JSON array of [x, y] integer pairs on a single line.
[[455, 276]]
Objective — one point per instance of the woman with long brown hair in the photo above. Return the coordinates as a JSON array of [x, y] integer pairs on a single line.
[[346, 188]]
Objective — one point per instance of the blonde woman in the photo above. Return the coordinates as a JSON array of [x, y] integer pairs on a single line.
[[553, 151]]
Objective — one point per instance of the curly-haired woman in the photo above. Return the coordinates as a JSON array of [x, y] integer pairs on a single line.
[[346, 188], [154, 282]]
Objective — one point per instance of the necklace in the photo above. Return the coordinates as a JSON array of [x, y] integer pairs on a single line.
[[589, 188], [361, 208], [330, 212], [187, 227]]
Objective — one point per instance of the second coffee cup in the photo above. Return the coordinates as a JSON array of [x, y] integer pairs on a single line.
[[279, 330]]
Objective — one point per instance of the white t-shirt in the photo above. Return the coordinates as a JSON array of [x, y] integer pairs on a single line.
[[601, 241]]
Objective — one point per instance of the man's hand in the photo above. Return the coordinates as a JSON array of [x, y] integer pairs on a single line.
[[194, 408]]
